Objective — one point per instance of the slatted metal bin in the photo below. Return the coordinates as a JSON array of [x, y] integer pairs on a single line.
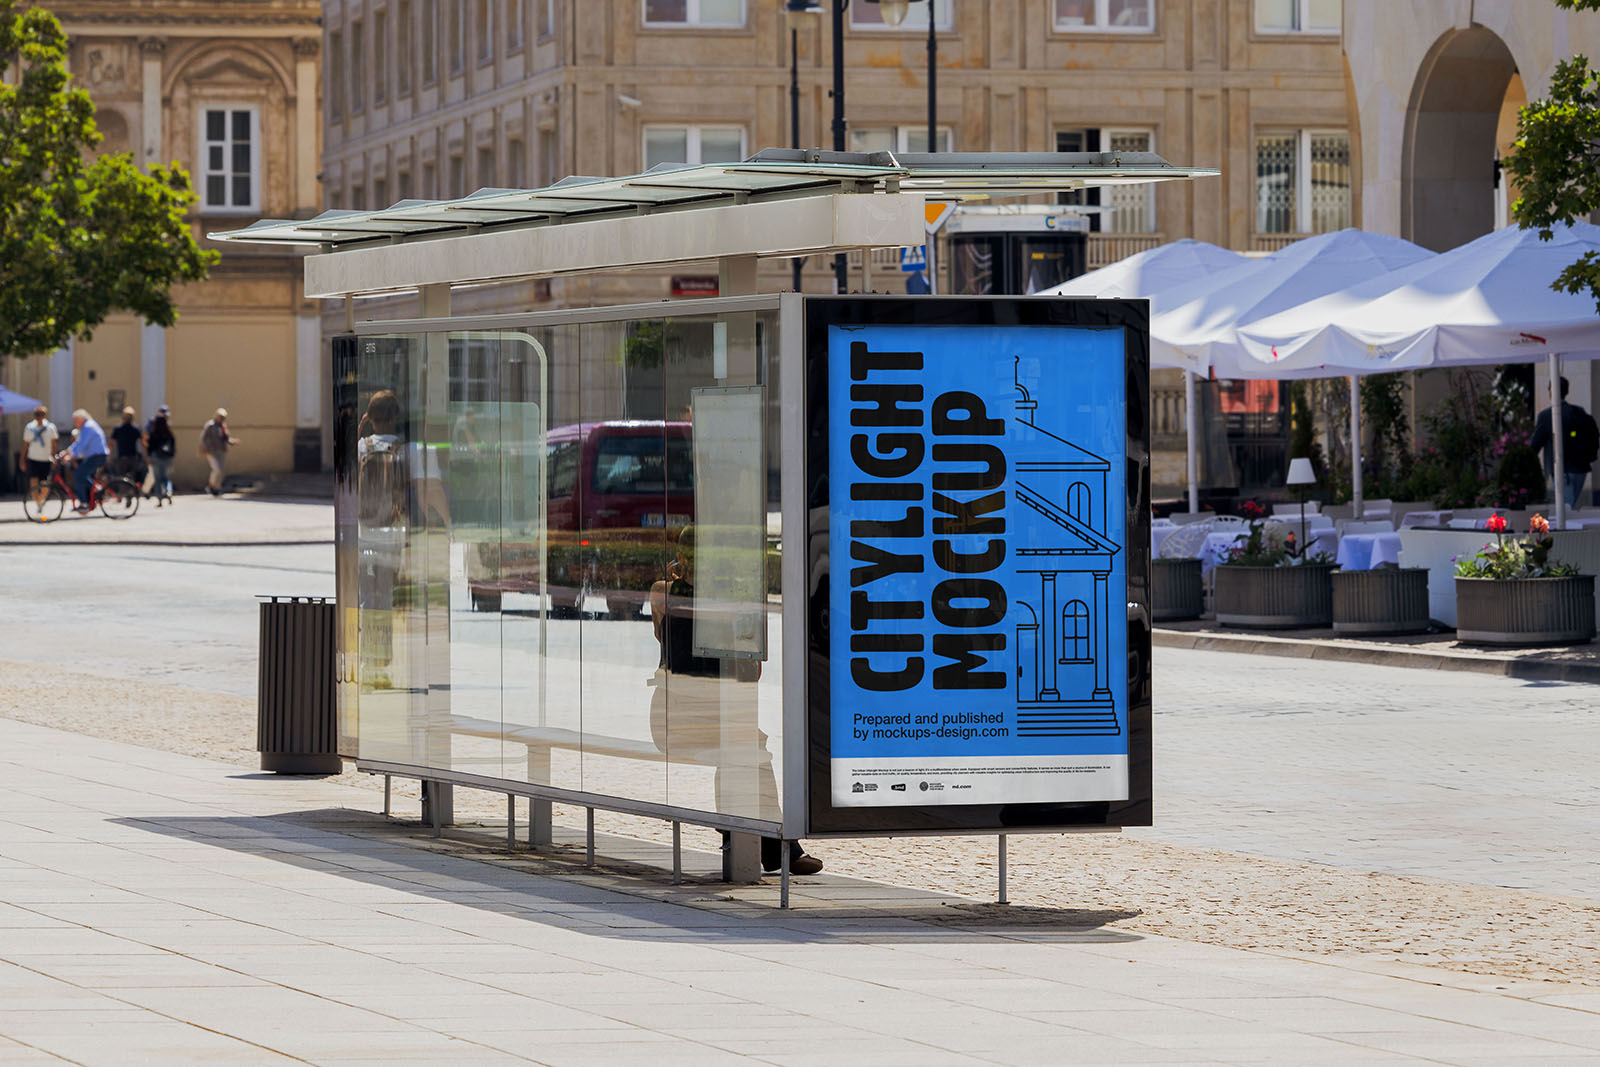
[[296, 716]]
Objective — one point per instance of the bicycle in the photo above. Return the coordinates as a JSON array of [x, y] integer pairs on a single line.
[[116, 496]]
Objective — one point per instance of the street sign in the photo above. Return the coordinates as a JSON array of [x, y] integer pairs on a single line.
[[936, 214], [914, 260]]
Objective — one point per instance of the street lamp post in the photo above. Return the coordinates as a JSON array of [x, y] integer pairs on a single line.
[[796, 13]]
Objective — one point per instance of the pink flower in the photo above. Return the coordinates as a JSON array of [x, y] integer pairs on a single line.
[[1496, 524], [1539, 525]]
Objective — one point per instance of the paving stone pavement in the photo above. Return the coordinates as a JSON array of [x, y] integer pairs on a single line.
[[157, 908]]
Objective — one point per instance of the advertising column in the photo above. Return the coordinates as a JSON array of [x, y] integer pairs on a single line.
[[977, 587]]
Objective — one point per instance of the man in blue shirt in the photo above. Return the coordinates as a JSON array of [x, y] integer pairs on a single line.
[[89, 449]]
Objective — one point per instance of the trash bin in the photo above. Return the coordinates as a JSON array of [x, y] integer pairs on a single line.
[[296, 717]]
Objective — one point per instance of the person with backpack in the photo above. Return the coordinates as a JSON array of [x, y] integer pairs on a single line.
[[1580, 447], [161, 445]]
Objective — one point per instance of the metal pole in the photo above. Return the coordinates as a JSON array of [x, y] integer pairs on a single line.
[[1356, 499], [511, 823], [794, 120], [933, 81], [386, 796], [1190, 423], [1558, 440], [677, 853], [783, 875], [1003, 899], [841, 266], [589, 856]]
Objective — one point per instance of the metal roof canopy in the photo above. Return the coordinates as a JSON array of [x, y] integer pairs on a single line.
[[676, 213]]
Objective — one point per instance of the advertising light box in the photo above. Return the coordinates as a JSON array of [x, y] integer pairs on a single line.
[[979, 554]]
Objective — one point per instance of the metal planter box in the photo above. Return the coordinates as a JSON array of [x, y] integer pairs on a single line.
[[1176, 589], [1527, 611], [1275, 598], [1384, 601]]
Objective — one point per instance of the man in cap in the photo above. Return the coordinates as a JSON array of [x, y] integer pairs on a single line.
[[214, 443]]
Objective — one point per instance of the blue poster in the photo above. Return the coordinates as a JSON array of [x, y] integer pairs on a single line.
[[978, 634]]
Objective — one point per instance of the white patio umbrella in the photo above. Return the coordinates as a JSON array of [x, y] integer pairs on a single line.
[[1152, 275], [1487, 302]]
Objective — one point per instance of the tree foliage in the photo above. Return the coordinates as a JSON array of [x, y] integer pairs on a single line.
[[1556, 160], [79, 239]]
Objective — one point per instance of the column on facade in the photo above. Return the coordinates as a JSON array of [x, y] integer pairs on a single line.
[[62, 383], [151, 49], [307, 196], [1050, 688], [152, 367]]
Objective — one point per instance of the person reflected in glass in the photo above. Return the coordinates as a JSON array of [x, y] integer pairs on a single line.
[[691, 732]]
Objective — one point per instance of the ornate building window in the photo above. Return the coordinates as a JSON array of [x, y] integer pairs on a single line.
[[694, 12], [405, 55], [1106, 16], [513, 17], [380, 56], [230, 159], [1298, 16], [358, 68], [430, 37], [1302, 181], [336, 75]]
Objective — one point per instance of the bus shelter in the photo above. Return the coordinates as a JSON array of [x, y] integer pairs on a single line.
[[784, 565]]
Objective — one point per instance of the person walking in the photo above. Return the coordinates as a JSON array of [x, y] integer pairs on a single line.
[[127, 441], [214, 444], [89, 449], [161, 445], [1579, 448], [40, 438]]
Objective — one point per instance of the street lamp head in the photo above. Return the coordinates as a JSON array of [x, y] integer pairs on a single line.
[[893, 12]]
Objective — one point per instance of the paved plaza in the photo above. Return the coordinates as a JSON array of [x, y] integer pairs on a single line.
[[163, 909], [1351, 863]]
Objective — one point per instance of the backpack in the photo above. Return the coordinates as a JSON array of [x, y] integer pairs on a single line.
[[1583, 442], [382, 482]]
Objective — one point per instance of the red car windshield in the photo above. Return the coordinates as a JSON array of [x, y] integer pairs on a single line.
[[629, 464]]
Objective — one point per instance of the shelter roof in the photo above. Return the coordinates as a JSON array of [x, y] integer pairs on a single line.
[[772, 174]]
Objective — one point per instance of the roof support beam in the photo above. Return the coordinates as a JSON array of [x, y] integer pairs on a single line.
[[787, 228]]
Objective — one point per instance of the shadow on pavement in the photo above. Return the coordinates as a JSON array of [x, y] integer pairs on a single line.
[[629, 893]]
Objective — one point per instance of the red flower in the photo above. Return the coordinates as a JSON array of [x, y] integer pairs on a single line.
[[1496, 524]]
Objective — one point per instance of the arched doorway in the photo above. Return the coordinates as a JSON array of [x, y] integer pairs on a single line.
[[1452, 124]]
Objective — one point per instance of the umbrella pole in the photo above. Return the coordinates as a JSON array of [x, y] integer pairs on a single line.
[[1356, 498], [1558, 442], [1189, 423]]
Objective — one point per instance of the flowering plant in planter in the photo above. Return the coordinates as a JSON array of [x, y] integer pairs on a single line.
[[1511, 558], [1259, 548]]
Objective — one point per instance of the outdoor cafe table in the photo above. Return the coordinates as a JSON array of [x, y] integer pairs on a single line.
[[1425, 518], [1325, 542], [1363, 552]]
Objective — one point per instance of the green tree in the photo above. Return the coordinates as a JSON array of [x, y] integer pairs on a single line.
[[79, 239], [1556, 159]]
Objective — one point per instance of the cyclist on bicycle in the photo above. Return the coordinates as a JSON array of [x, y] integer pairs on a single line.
[[89, 449]]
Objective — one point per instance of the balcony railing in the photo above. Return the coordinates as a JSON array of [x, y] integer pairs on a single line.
[[1106, 248], [1272, 242]]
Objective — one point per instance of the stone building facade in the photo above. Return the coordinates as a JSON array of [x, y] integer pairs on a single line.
[[230, 91]]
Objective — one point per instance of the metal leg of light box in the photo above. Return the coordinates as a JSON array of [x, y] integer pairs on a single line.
[[511, 823], [677, 853], [386, 783], [589, 860], [1003, 899], [783, 875]]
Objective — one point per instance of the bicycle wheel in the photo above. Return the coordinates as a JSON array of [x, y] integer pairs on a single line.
[[120, 498], [44, 509]]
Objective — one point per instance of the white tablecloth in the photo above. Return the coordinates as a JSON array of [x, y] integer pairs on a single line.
[[1313, 522], [1362, 552], [1324, 542], [1423, 518]]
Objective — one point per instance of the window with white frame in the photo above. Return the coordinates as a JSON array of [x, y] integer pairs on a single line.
[[693, 12], [692, 144], [1124, 208], [898, 139], [1298, 16], [1106, 16], [1302, 181], [230, 158], [865, 16]]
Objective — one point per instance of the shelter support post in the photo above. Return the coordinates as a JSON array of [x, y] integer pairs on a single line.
[[741, 858], [677, 853], [783, 876], [541, 824], [1190, 431], [386, 786], [1357, 498], [1002, 857], [588, 858], [511, 823], [1558, 440]]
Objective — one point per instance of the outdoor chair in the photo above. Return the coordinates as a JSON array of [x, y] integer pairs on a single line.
[[1186, 542], [1366, 526], [1377, 509]]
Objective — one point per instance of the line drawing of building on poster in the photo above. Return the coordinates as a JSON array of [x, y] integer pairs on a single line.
[[1063, 645]]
